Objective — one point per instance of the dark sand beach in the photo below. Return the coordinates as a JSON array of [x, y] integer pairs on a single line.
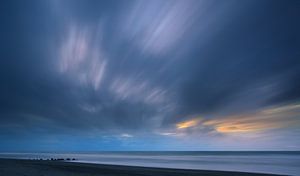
[[14, 167]]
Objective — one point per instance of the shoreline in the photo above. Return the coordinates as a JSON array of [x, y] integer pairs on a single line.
[[21, 167]]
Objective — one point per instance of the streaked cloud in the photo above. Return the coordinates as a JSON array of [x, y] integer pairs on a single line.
[[151, 69], [159, 25], [125, 135], [188, 124], [81, 55], [167, 134], [138, 90], [285, 116], [267, 119]]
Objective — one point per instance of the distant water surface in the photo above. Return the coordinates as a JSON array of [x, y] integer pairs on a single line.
[[261, 162]]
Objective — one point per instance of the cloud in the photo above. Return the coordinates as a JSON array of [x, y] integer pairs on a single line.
[[125, 135], [267, 119], [167, 134], [137, 90], [82, 57], [102, 68], [159, 26], [187, 124]]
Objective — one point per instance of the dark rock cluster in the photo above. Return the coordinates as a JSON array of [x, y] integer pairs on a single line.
[[57, 159]]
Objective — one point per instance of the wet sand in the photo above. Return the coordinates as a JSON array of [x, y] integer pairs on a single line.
[[13, 167]]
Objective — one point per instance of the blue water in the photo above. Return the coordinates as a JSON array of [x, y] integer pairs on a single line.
[[260, 162]]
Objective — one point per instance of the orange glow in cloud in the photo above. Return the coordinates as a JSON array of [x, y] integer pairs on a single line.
[[241, 127], [266, 119], [187, 124], [271, 118]]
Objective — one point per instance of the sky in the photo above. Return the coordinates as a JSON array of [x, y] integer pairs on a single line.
[[91, 75]]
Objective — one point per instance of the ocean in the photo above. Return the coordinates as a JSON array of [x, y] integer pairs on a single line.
[[279, 162]]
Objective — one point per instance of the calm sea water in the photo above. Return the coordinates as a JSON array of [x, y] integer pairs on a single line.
[[261, 162]]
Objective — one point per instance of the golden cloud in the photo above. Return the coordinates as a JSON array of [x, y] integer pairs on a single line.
[[270, 118], [265, 119], [187, 124]]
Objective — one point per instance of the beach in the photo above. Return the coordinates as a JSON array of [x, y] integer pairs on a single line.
[[271, 162], [18, 167]]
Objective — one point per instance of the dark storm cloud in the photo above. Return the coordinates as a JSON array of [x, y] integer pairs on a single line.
[[255, 53], [143, 65]]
